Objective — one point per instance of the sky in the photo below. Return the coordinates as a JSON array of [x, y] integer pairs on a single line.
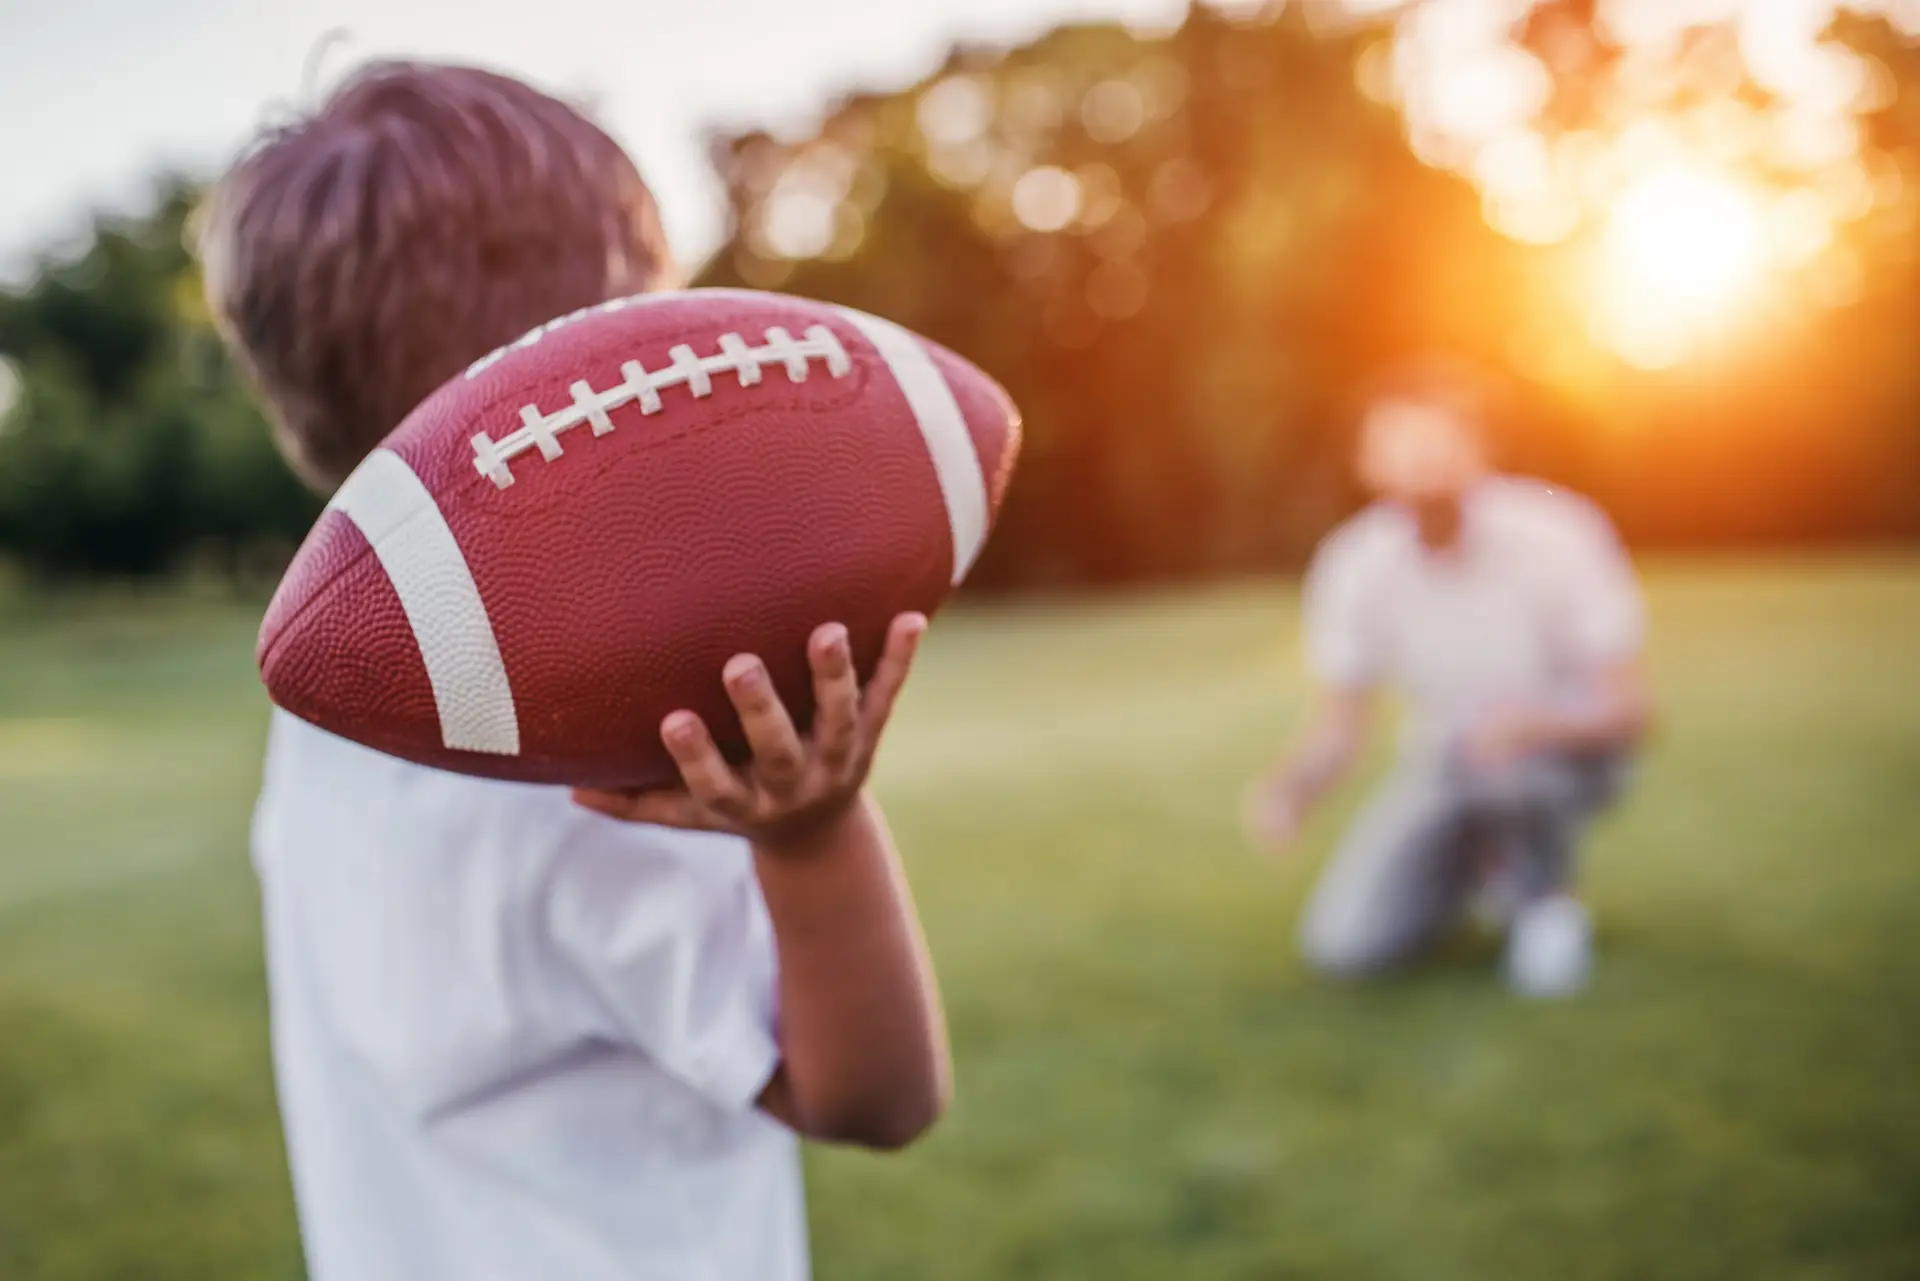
[[95, 95]]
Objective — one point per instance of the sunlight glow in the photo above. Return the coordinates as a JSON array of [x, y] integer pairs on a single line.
[[1046, 198], [1691, 239], [1684, 252]]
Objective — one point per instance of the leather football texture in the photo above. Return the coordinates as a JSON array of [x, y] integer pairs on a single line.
[[568, 541]]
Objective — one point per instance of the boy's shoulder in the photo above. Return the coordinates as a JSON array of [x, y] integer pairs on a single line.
[[309, 767], [445, 874], [323, 796]]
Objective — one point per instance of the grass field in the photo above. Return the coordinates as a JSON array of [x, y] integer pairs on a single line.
[[1150, 1086]]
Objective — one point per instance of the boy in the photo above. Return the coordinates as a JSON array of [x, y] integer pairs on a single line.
[[517, 1033], [1509, 616]]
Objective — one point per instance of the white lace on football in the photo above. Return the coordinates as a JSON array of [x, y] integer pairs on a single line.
[[542, 431]]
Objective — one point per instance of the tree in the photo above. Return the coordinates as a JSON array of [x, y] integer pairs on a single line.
[[131, 444], [1183, 255]]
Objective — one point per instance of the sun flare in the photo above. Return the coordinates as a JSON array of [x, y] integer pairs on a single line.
[[1682, 254], [1688, 238]]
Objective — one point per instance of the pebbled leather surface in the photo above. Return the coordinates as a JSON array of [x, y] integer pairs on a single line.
[[620, 576], [337, 649], [992, 419]]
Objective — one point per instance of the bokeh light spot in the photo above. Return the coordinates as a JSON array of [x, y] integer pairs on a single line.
[[799, 224], [849, 233], [1113, 111], [964, 165], [1033, 104], [955, 111], [1046, 198]]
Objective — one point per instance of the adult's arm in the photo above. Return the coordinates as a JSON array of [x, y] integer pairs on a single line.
[[1335, 734]]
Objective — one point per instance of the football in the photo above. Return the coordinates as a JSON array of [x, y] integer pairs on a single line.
[[567, 542]]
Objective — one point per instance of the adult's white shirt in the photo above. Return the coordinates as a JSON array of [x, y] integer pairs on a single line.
[[514, 1040], [1536, 598]]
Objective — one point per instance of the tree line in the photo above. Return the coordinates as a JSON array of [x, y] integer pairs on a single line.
[[1182, 254]]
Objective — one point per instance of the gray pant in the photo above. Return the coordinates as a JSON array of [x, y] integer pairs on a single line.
[[1431, 835]]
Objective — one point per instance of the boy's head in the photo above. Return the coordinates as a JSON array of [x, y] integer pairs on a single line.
[[1422, 434], [424, 216]]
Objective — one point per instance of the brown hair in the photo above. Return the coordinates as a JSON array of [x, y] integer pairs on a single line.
[[424, 216]]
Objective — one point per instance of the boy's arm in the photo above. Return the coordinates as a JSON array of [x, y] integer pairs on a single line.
[[863, 1041]]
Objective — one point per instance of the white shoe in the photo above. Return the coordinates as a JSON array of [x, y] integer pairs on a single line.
[[1550, 948]]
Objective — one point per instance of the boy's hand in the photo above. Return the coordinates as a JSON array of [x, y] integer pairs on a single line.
[[794, 786]]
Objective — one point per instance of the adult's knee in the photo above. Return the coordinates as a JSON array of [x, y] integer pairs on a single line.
[[1342, 950]]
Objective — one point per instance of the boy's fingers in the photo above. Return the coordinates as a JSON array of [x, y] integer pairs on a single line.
[[778, 758], [836, 697], [709, 779], [896, 664]]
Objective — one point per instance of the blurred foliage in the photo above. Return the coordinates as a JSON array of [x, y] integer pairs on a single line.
[[1182, 254], [130, 446], [1248, 238]]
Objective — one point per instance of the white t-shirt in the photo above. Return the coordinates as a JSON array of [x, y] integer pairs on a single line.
[[515, 1040], [1535, 598]]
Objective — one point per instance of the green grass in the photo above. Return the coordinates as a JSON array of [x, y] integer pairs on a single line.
[[1150, 1085]]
